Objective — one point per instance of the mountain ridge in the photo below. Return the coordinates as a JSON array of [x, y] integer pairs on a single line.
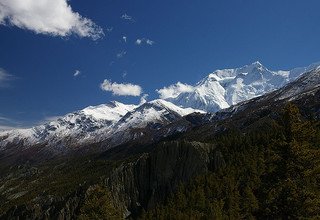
[[116, 123], [113, 120], [226, 87], [144, 172]]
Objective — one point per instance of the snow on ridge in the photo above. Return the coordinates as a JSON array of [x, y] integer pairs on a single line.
[[219, 90], [225, 87], [169, 105], [96, 123], [112, 112]]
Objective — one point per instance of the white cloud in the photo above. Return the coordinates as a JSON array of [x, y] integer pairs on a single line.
[[3, 75], [144, 40], [150, 42], [5, 119], [121, 54], [174, 90], [5, 78], [52, 118], [143, 99], [8, 123], [138, 41], [76, 73], [11, 124], [7, 128], [55, 18], [121, 89], [48, 119], [127, 17], [124, 38]]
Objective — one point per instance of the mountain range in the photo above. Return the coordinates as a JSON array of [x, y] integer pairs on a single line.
[[170, 159], [118, 123]]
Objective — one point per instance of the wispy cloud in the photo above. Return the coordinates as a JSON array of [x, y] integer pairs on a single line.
[[6, 128], [76, 73], [143, 98], [138, 41], [55, 18], [124, 74], [127, 17], [124, 38], [144, 41], [174, 90], [5, 78], [150, 42], [11, 124], [6, 119], [8, 123], [121, 54], [121, 89], [48, 119], [109, 29]]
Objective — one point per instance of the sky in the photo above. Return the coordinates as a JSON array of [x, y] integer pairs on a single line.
[[60, 56]]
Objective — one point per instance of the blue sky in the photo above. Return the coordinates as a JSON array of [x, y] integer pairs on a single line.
[[180, 41]]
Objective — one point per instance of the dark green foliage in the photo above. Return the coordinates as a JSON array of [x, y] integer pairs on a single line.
[[269, 170], [271, 173], [99, 204], [290, 183], [56, 178]]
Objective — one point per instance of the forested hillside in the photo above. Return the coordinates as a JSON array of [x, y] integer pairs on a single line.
[[271, 172]]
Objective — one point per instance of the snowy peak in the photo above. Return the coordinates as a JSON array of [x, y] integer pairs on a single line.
[[163, 104], [98, 123], [253, 67], [154, 114], [226, 87], [254, 72], [257, 63], [120, 122], [111, 111], [80, 124]]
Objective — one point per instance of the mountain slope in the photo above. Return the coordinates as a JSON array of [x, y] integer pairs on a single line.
[[80, 124], [114, 123], [304, 92], [235, 157], [155, 112]]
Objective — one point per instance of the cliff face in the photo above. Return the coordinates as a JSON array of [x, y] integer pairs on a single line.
[[152, 177], [140, 183]]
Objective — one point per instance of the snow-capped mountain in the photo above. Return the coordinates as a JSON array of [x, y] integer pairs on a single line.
[[116, 123], [79, 124], [304, 92], [308, 83], [223, 88], [146, 120], [154, 114], [97, 123], [112, 111]]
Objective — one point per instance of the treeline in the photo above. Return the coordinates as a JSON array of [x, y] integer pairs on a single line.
[[272, 172]]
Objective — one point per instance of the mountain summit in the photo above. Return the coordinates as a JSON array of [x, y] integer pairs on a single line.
[[115, 123], [226, 87]]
